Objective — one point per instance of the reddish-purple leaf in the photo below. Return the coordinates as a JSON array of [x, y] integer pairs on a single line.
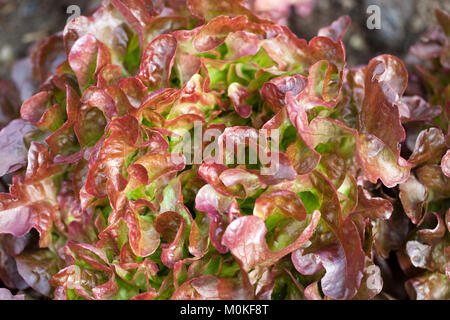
[[13, 150]]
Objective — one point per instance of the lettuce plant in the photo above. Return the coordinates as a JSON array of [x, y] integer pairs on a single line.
[[103, 205]]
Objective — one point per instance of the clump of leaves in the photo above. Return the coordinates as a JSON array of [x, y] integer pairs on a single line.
[[99, 209]]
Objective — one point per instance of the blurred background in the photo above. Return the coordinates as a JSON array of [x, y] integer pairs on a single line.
[[22, 22]]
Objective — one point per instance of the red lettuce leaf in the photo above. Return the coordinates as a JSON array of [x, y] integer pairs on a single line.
[[31, 202], [245, 237], [378, 148], [37, 268], [5, 294], [13, 149], [157, 61]]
